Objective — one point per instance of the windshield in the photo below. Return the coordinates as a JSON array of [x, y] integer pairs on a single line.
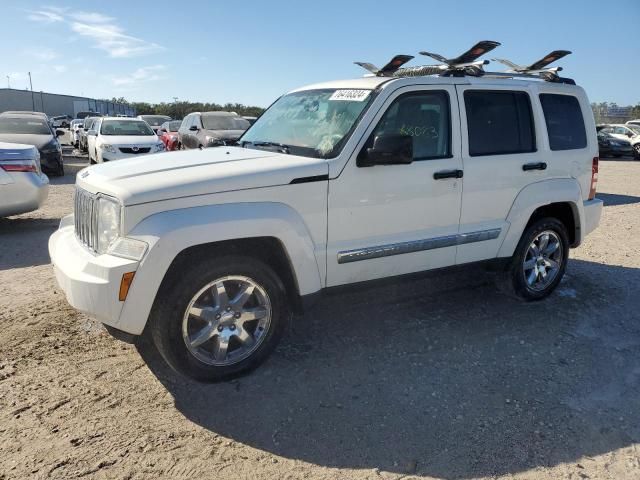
[[314, 123], [224, 122], [27, 126], [125, 127], [174, 126], [154, 120], [635, 128]]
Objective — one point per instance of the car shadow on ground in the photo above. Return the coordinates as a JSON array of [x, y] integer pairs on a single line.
[[24, 240], [617, 199], [441, 377]]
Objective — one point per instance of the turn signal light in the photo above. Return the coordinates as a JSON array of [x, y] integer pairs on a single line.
[[125, 283]]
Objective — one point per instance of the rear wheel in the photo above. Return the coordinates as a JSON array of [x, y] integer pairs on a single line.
[[636, 151], [218, 318], [540, 260]]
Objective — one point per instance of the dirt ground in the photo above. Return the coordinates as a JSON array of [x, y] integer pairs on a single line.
[[442, 378]]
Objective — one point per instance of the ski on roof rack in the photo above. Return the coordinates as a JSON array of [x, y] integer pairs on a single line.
[[468, 64], [389, 69]]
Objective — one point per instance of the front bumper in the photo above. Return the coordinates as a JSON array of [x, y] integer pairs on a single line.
[[110, 156], [592, 215], [51, 162], [90, 282]]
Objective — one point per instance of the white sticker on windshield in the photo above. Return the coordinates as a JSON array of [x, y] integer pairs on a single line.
[[350, 95]]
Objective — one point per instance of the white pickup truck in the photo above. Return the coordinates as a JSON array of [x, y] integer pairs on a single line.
[[210, 252]]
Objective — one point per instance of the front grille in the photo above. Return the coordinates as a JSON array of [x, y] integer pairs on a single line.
[[86, 218], [135, 151]]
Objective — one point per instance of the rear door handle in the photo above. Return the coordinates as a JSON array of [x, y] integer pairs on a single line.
[[534, 166], [447, 174]]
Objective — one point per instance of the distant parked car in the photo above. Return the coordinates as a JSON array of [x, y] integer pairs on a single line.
[[112, 138], [155, 121], [82, 132], [61, 121], [608, 145], [23, 186], [633, 122], [168, 133], [211, 129], [630, 132], [74, 130], [29, 128], [83, 115]]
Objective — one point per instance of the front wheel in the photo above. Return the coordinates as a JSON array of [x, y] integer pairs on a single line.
[[219, 318], [540, 260], [636, 151]]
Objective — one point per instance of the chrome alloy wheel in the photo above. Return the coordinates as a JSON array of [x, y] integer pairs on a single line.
[[543, 260], [227, 320]]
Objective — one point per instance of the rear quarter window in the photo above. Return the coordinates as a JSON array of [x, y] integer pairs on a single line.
[[565, 123], [499, 122]]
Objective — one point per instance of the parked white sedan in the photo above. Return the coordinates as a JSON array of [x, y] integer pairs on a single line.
[[23, 186], [112, 138]]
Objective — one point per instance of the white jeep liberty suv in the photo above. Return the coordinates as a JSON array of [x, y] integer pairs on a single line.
[[210, 252]]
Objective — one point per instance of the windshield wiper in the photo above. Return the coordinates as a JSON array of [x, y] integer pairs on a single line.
[[283, 148]]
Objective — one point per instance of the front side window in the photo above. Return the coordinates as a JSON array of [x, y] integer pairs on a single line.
[[312, 123], [499, 122], [565, 124], [425, 117], [125, 127]]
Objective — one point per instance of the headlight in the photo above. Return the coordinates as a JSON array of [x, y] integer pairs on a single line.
[[108, 148], [108, 222], [159, 147]]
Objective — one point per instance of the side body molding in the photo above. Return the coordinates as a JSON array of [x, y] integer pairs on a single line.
[[536, 195], [169, 233]]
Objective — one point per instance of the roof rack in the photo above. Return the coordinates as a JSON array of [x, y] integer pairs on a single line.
[[468, 64]]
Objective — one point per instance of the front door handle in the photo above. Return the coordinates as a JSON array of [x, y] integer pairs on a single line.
[[534, 166], [447, 174]]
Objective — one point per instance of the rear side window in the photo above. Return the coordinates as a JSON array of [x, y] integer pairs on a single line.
[[565, 124], [499, 122]]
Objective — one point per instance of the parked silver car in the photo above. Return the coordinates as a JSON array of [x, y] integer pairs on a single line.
[[23, 186]]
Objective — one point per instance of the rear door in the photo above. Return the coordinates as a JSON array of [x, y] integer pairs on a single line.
[[500, 156]]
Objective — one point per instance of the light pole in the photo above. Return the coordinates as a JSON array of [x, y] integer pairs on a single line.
[[175, 105], [8, 82], [33, 100]]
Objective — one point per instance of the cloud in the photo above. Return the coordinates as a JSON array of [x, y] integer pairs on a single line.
[[42, 54], [91, 17], [59, 68], [141, 75], [101, 30], [113, 40], [45, 16]]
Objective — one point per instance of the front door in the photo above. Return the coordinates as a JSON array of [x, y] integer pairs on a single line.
[[388, 220]]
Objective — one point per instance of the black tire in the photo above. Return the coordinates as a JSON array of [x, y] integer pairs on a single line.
[[60, 170], [636, 151], [515, 281], [177, 291]]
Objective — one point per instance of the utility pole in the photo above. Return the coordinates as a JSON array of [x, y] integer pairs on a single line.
[[8, 82], [175, 104], [33, 100], [42, 101]]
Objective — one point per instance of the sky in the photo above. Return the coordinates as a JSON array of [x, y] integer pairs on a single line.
[[251, 52]]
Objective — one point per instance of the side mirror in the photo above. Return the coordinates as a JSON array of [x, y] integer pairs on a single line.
[[629, 134], [193, 128], [59, 133], [389, 149]]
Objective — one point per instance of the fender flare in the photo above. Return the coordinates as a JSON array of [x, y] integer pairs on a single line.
[[534, 196], [171, 232]]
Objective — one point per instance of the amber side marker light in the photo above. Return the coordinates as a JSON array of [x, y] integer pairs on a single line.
[[125, 283]]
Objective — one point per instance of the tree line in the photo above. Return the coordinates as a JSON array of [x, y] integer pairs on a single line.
[[178, 110]]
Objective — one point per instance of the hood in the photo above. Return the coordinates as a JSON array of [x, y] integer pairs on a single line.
[[130, 139], [224, 134], [186, 173], [38, 141]]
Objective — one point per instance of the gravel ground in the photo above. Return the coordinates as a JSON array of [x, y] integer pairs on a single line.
[[443, 378]]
